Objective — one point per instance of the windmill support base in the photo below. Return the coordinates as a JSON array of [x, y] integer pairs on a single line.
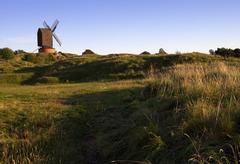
[[47, 50]]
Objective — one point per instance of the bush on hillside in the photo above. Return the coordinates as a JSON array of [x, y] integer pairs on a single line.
[[39, 58], [88, 52], [145, 53], [48, 80], [50, 58], [29, 57], [6, 53]]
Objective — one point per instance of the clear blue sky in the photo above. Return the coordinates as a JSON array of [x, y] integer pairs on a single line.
[[112, 26]]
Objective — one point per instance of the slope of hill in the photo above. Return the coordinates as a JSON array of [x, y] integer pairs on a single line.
[[94, 68]]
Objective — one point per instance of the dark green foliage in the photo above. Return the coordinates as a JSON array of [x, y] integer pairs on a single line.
[[237, 52], [227, 52], [6, 53]]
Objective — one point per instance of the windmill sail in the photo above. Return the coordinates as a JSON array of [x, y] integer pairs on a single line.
[[57, 39], [54, 26], [46, 25], [52, 29]]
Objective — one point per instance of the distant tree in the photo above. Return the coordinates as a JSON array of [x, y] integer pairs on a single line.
[[19, 52], [225, 52], [6, 53], [237, 52], [162, 52], [178, 52], [212, 52]]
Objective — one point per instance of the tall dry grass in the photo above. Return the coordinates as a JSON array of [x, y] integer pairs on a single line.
[[208, 95]]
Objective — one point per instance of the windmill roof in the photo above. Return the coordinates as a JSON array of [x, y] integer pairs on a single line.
[[44, 29]]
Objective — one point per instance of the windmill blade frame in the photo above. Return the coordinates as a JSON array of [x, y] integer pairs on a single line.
[[52, 29], [54, 26], [46, 25], [57, 39]]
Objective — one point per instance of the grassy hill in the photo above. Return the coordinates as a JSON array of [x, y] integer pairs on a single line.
[[70, 68], [120, 109]]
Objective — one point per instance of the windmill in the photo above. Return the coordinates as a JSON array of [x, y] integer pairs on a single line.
[[45, 37]]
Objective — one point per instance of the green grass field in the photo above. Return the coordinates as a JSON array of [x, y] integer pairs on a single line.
[[127, 109]]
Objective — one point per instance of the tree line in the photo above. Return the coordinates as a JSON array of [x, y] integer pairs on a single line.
[[226, 52], [7, 53]]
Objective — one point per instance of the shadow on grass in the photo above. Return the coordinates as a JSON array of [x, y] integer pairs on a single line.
[[77, 135], [115, 125]]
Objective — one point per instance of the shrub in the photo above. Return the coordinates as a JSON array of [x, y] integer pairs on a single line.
[[145, 53], [30, 58], [88, 52], [6, 53], [48, 80], [39, 58], [50, 58]]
